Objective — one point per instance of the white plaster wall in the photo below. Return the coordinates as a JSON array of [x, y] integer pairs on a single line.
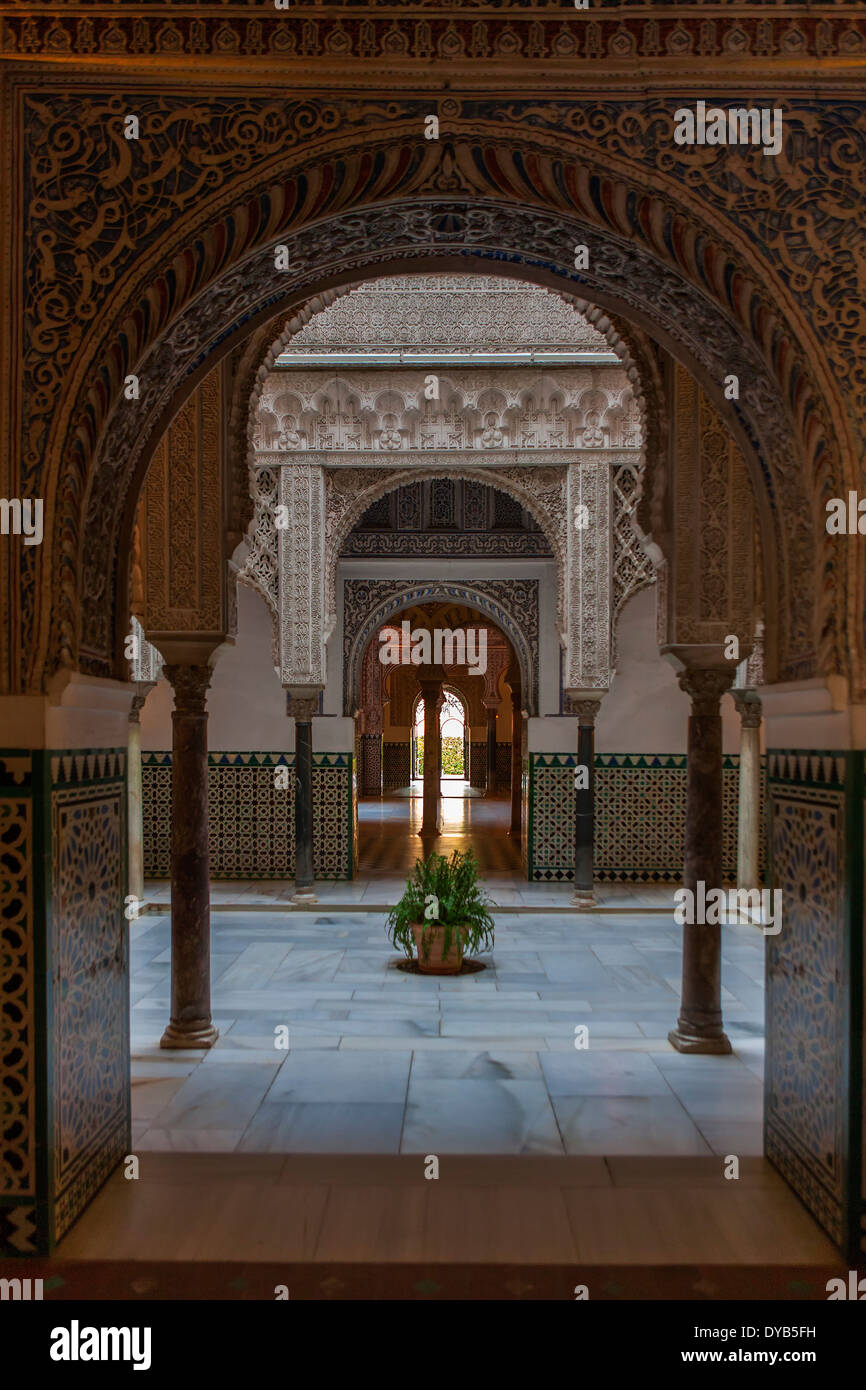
[[246, 703], [645, 711]]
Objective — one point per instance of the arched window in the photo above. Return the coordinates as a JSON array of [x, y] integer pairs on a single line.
[[453, 738]]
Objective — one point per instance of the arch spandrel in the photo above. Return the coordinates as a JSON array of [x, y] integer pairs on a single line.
[[680, 262], [504, 602]]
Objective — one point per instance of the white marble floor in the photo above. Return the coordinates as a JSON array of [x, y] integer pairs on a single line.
[[384, 1062], [370, 892]]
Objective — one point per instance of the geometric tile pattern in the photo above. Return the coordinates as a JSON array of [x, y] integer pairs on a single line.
[[89, 988], [64, 995], [396, 765], [251, 819], [808, 971], [17, 1004], [640, 815]]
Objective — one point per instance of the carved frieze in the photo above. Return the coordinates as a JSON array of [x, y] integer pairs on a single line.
[[180, 523], [498, 410], [708, 591]]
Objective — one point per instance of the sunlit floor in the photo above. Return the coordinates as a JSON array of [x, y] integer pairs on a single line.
[[388, 839]]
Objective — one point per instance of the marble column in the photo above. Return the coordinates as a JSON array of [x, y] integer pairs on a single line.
[[749, 805], [431, 691], [516, 763], [302, 711], [699, 1026], [492, 707], [584, 807], [191, 1024]]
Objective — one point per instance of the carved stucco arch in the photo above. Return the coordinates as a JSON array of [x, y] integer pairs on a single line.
[[405, 595], [349, 492], [259, 361], [691, 280], [527, 269]]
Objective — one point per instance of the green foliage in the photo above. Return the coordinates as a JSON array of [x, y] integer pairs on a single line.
[[462, 904], [452, 754]]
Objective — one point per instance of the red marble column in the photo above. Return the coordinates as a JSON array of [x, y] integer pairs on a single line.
[[699, 1026], [191, 1024]]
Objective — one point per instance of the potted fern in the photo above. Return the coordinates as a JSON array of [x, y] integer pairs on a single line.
[[442, 914]]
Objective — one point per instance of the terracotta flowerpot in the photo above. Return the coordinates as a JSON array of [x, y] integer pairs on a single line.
[[432, 959]]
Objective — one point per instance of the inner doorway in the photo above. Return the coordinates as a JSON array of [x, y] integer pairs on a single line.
[[453, 747]]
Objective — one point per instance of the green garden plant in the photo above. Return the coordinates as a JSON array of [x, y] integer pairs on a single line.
[[442, 896]]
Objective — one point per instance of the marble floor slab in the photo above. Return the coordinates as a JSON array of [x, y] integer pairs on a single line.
[[381, 1061]]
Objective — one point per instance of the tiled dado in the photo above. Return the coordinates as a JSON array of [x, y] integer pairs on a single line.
[[64, 993], [814, 1068], [640, 816], [252, 819]]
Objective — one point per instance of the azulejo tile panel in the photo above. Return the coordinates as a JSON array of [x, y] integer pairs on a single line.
[[396, 765], [89, 977], [814, 974], [640, 816], [64, 995], [252, 816]]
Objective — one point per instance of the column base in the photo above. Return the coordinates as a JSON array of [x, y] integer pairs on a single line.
[[690, 1042], [584, 899], [197, 1034], [425, 833], [302, 896]]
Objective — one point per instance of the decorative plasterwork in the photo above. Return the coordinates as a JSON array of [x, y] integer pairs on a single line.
[[180, 522], [479, 312], [512, 604], [511, 33], [301, 575], [145, 668], [589, 587], [540, 490], [496, 410], [670, 240], [708, 590]]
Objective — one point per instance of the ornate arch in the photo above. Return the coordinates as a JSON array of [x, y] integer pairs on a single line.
[[515, 189], [350, 491], [380, 600]]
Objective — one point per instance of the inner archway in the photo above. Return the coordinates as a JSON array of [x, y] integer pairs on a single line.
[[454, 745]]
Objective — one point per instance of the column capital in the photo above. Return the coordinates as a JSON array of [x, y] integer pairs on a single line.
[[749, 708], [142, 690], [491, 705], [303, 711], [586, 711], [705, 685], [190, 684], [431, 686]]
